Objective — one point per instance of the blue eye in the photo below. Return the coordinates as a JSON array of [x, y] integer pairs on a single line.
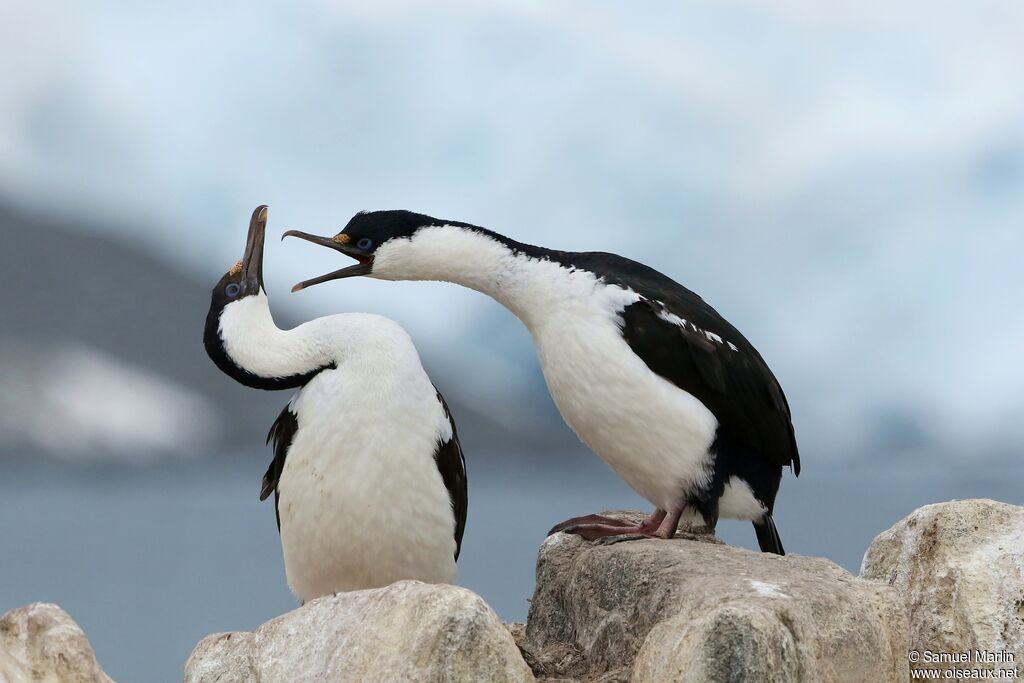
[[365, 244], [233, 290]]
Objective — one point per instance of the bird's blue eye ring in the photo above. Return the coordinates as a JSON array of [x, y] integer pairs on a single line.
[[233, 289], [364, 244]]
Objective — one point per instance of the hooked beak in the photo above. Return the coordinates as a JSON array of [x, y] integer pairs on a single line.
[[338, 243], [252, 261]]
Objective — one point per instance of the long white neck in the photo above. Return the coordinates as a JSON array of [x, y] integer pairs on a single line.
[[257, 345], [528, 283], [370, 350]]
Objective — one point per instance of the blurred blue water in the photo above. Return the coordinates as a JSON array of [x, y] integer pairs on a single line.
[[150, 559]]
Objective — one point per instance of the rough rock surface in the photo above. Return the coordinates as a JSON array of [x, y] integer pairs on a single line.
[[409, 631], [42, 644], [960, 569], [698, 611]]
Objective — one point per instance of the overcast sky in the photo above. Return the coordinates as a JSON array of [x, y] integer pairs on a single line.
[[845, 183]]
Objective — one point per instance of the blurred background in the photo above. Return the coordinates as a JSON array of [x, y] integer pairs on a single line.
[[844, 183]]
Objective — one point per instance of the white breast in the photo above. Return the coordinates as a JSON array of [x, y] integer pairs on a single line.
[[362, 502], [652, 433]]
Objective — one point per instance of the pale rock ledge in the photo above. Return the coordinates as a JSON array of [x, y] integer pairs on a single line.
[[41, 643], [409, 631], [698, 611], [959, 568]]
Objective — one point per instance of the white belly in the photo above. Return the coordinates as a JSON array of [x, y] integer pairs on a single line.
[[363, 504], [653, 434]]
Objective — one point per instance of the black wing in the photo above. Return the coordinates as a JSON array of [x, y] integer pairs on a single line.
[[683, 339], [452, 466], [701, 353], [282, 432]]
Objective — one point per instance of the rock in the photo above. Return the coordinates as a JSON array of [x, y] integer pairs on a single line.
[[695, 610], [41, 643], [223, 657], [959, 568], [409, 631]]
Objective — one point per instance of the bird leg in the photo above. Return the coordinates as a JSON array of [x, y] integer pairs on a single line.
[[667, 528], [591, 527]]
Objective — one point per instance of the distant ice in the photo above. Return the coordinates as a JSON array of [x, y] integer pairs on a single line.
[[74, 402]]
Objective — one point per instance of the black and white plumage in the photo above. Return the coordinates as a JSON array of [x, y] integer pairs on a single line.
[[645, 372], [368, 475]]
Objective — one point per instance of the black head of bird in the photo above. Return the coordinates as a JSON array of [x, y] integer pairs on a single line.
[[245, 278], [239, 296]]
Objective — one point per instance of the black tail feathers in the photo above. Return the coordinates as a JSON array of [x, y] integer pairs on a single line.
[[768, 536]]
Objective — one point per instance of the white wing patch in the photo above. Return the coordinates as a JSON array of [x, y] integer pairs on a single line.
[[446, 432], [669, 317]]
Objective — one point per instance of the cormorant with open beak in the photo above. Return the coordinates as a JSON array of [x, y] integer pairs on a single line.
[[646, 373], [368, 476]]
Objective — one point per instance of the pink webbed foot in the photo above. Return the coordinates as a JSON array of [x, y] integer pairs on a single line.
[[599, 527], [599, 532], [588, 520]]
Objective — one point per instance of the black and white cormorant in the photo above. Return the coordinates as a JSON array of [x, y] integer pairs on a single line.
[[645, 372], [368, 476]]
